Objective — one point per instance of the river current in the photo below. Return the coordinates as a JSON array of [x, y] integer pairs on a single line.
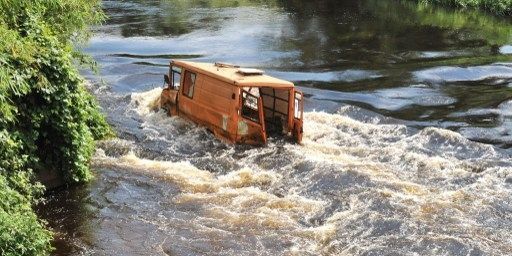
[[405, 151]]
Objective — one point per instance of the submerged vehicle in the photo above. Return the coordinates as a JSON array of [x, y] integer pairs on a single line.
[[238, 105]]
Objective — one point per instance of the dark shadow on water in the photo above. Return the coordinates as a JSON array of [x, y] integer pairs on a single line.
[[69, 211]]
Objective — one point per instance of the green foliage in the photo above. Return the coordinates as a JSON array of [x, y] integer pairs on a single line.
[[47, 105], [502, 7], [69, 19], [42, 98], [48, 120], [13, 165], [21, 233]]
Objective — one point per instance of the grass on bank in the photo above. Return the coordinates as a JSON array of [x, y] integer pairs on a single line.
[[500, 7]]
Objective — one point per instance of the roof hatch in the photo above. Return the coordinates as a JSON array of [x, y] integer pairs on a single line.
[[250, 71]]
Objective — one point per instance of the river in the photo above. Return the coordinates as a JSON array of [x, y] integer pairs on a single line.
[[406, 151]]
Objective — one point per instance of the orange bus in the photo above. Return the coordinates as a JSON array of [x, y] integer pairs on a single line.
[[238, 105]]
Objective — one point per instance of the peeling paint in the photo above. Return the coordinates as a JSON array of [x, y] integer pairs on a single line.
[[242, 128], [225, 122]]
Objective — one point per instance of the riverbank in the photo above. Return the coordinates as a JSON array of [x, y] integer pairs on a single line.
[[499, 7], [49, 121]]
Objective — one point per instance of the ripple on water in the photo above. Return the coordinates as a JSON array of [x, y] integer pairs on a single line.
[[462, 74], [392, 99], [339, 76], [500, 118]]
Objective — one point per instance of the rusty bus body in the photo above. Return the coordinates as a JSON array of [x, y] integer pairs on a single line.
[[238, 105]]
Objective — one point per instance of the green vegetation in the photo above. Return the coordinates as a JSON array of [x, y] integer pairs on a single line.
[[471, 24], [502, 7], [20, 231], [48, 121]]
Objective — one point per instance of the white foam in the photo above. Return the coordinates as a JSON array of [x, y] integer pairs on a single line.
[[147, 102], [384, 174]]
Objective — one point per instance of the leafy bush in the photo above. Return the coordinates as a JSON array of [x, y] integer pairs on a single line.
[[48, 120], [21, 233]]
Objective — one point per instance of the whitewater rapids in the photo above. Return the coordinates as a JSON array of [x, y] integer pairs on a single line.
[[352, 188]]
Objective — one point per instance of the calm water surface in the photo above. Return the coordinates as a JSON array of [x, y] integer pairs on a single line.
[[407, 134]]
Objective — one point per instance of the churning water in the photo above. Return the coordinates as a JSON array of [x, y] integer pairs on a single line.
[[390, 163]]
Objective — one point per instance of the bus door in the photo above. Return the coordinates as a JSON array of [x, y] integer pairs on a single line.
[[298, 116], [251, 129]]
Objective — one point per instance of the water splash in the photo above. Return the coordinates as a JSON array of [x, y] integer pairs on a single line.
[[352, 188]]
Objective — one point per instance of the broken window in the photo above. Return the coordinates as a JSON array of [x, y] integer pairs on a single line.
[[250, 106], [189, 84], [298, 108], [175, 77]]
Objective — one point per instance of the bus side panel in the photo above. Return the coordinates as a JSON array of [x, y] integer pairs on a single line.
[[216, 94], [220, 97], [211, 109], [250, 133]]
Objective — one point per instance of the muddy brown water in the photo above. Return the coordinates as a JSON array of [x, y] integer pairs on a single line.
[[406, 145]]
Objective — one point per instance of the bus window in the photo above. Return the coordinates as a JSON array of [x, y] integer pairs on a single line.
[[175, 77], [250, 107], [189, 84], [298, 106]]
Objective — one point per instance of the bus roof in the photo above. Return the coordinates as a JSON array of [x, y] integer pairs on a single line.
[[231, 75]]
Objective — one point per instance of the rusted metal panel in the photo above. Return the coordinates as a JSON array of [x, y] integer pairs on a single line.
[[168, 101], [211, 96]]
